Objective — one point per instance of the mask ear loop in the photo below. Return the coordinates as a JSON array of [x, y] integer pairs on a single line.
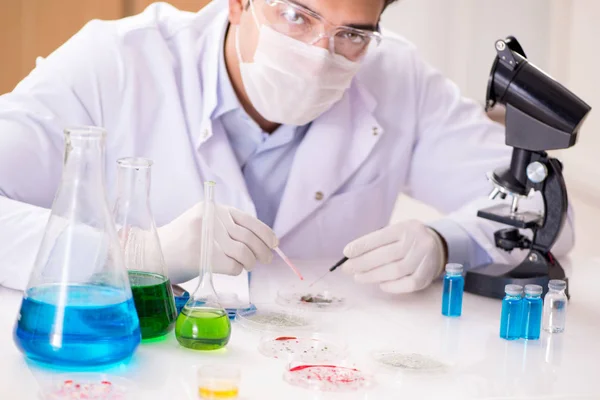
[[237, 31], [237, 44], [253, 11]]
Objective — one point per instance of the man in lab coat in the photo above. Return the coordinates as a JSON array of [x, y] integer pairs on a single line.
[[310, 119]]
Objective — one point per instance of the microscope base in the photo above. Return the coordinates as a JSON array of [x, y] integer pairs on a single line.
[[489, 280]]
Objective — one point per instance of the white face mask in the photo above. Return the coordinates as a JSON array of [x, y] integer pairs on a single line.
[[291, 82]]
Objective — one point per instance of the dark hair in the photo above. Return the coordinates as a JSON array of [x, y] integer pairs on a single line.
[[388, 2]]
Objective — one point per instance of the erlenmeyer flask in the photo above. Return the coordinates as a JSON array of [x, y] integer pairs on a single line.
[[144, 260], [203, 324], [78, 309]]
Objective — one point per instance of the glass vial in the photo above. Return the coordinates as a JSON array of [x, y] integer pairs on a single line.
[[452, 294], [203, 323], [510, 319], [532, 312], [144, 260], [78, 310], [555, 307]]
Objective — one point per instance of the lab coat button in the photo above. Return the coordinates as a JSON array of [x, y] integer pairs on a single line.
[[375, 131], [205, 133], [319, 196]]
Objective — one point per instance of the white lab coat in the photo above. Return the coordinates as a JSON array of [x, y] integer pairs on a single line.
[[150, 80]]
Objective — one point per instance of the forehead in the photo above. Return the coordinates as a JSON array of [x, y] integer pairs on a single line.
[[346, 12]]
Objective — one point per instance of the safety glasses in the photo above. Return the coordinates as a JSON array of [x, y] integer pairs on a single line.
[[302, 24]]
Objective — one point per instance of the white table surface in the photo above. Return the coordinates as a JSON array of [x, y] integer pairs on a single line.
[[565, 366]]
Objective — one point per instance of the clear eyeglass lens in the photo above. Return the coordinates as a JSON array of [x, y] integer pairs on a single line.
[[291, 21], [300, 25], [351, 44]]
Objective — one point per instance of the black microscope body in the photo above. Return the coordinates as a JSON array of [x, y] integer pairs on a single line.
[[541, 115]]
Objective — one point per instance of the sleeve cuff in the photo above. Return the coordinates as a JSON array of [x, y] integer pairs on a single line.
[[462, 248]]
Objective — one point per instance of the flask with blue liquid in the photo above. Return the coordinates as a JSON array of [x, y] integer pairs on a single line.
[[511, 317], [78, 310], [452, 296], [532, 312]]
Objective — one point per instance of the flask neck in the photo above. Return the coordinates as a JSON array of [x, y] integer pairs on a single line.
[[82, 187], [205, 287], [84, 159], [133, 188]]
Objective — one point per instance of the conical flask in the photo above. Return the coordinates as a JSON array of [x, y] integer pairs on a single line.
[[203, 324], [78, 309], [144, 260]]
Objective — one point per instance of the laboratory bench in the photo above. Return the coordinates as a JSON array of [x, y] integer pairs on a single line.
[[479, 365]]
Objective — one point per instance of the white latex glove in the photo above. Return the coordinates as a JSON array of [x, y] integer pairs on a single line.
[[402, 258], [240, 241]]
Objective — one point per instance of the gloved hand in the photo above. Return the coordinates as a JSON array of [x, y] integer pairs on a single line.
[[240, 241], [402, 258]]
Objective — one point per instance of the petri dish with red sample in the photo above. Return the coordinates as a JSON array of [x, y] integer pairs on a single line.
[[303, 347], [328, 377]]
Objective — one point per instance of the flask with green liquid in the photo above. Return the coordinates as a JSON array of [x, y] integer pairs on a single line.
[[152, 293], [203, 323]]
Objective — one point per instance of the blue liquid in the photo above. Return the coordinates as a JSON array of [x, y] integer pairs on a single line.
[[97, 325], [532, 317], [452, 296], [510, 321]]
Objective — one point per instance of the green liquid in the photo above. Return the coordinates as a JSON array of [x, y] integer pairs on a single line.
[[203, 328], [153, 298]]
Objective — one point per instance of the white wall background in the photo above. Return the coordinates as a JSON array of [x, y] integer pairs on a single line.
[[560, 36]]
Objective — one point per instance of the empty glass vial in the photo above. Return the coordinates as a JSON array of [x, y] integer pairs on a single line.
[[452, 294], [152, 292], [510, 319], [77, 310], [203, 324], [555, 307], [532, 312]]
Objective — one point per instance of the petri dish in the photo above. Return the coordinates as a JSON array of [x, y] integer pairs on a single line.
[[327, 377], [232, 303], [318, 297], [409, 362], [88, 386], [303, 347], [232, 312], [218, 381], [272, 318]]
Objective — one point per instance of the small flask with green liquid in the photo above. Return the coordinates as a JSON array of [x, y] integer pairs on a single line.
[[203, 324], [150, 285]]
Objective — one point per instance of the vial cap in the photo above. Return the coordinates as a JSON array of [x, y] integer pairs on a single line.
[[533, 290], [513, 290], [454, 268], [557, 284]]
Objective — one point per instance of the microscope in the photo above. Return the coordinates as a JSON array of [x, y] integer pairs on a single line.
[[541, 115]]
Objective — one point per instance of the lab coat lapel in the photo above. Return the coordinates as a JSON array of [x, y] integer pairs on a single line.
[[335, 146], [216, 158]]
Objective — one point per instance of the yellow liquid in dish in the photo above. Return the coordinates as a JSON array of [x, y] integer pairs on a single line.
[[212, 393]]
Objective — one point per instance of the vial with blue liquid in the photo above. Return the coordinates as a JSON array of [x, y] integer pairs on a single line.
[[511, 317], [452, 295], [533, 307]]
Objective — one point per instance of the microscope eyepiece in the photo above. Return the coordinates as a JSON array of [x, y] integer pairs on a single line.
[[541, 113]]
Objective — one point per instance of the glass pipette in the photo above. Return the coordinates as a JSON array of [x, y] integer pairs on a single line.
[[288, 262]]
